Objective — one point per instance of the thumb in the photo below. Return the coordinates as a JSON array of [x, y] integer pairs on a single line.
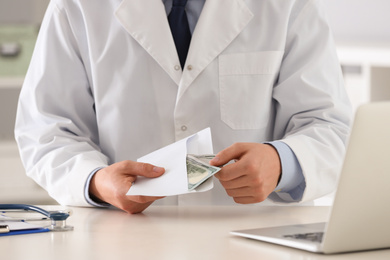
[[147, 170], [233, 152]]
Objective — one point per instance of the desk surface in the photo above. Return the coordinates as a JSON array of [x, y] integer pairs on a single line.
[[170, 232]]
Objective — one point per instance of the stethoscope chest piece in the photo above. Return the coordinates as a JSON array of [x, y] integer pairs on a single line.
[[58, 221], [58, 218]]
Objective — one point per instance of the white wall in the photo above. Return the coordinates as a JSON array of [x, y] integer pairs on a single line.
[[353, 21], [360, 22], [22, 11]]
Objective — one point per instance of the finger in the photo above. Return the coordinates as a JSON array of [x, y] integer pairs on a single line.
[[142, 169], [234, 171], [229, 173], [239, 192], [245, 200], [143, 199], [246, 195], [239, 182], [136, 208], [233, 152]]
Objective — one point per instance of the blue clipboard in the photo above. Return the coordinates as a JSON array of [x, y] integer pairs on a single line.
[[10, 228], [18, 227]]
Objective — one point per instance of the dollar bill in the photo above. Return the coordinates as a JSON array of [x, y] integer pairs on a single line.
[[206, 158], [199, 170]]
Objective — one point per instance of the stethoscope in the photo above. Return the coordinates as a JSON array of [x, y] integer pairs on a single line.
[[58, 218]]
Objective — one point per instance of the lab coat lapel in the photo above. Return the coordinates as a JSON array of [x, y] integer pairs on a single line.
[[146, 21], [219, 24]]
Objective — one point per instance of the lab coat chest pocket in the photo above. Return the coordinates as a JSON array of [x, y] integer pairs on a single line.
[[245, 84]]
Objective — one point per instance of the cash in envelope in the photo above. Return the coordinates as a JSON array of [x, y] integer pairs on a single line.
[[199, 170]]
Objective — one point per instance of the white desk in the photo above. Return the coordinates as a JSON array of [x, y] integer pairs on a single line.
[[170, 232]]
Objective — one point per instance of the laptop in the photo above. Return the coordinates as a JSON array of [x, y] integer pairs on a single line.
[[360, 215]]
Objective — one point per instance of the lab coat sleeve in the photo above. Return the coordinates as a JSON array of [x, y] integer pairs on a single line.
[[56, 124], [313, 112]]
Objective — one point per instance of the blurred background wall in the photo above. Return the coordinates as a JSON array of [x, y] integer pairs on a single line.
[[352, 20], [22, 11], [362, 22]]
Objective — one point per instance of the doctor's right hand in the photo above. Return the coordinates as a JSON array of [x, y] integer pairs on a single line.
[[111, 184]]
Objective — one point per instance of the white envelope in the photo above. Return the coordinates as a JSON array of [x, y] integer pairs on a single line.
[[173, 159]]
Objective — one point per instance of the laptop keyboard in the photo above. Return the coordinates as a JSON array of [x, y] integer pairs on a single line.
[[314, 237]]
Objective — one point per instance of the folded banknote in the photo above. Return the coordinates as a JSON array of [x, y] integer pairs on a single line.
[[199, 169]]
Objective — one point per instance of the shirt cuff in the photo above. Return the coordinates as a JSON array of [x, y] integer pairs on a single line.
[[292, 183], [86, 191]]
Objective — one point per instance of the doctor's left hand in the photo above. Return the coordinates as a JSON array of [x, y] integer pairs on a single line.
[[111, 184], [253, 176]]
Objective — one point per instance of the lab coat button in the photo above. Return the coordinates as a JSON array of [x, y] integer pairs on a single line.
[[189, 67], [184, 128], [177, 67]]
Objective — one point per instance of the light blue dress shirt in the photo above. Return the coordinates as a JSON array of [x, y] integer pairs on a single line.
[[292, 183]]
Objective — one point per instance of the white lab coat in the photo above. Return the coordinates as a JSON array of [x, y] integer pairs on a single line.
[[105, 85]]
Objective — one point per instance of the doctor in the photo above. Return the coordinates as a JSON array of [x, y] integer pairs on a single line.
[[106, 86]]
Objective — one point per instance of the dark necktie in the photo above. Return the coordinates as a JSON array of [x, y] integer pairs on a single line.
[[180, 29]]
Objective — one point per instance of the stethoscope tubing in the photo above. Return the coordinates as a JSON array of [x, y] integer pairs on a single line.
[[53, 215]]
